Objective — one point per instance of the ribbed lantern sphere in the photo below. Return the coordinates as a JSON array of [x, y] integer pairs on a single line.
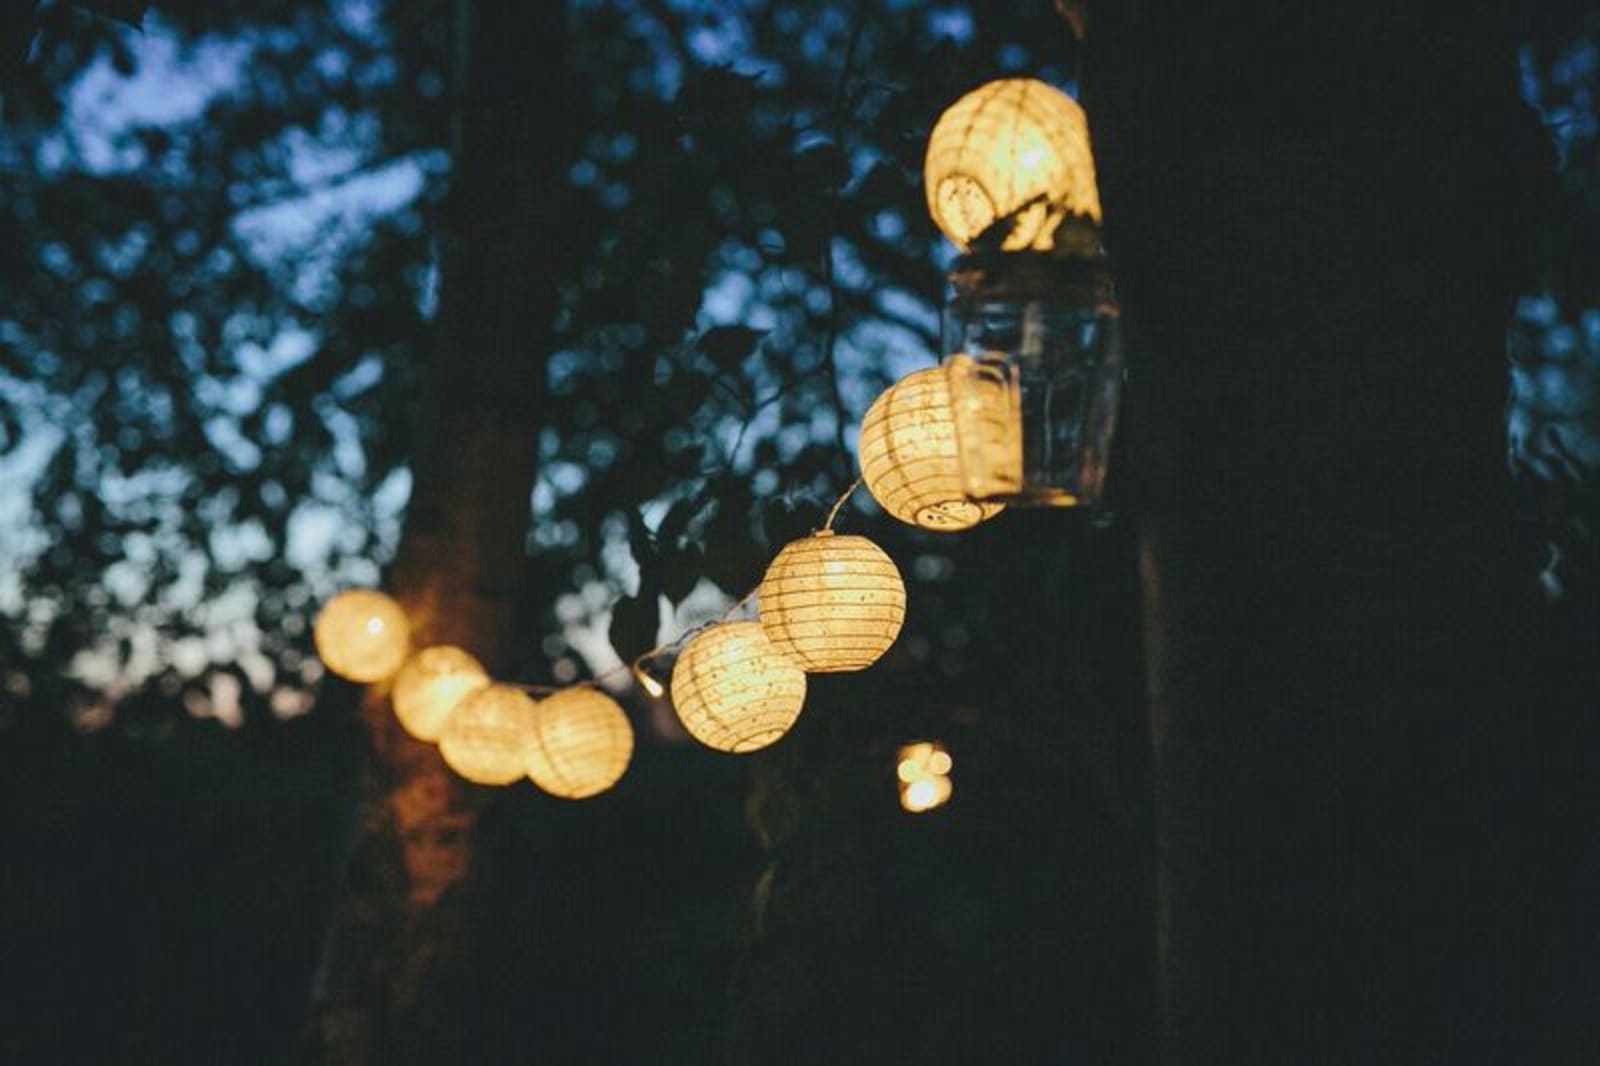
[[579, 743], [362, 635], [910, 461], [484, 738], [429, 686], [734, 691], [832, 603], [1014, 147]]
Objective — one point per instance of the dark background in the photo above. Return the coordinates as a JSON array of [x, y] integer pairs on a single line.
[[175, 504]]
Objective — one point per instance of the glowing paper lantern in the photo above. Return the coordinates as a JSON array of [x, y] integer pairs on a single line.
[[832, 603], [579, 743], [734, 691], [429, 686], [909, 456], [485, 736], [362, 635], [924, 773], [1014, 147]]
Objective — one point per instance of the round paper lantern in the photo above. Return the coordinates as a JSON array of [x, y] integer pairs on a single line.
[[909, 456], [362, 635], [578, 744], [484, 737], [832, 603], [1014, 147], [734, 691], [429, 686]]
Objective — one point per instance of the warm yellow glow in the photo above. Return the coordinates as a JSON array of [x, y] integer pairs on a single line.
[[653, 688], [909, 459], [926, 793], [362, 635], [429, 686], [484, 737], [923, 770], [987, 400], [832, 603], [579, 743], [1015, 147], [734, 691]]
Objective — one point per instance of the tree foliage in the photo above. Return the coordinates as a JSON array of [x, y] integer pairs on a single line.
[[218, 275]]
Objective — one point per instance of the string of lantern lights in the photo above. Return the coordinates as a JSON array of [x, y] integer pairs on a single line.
[[1020, 412]]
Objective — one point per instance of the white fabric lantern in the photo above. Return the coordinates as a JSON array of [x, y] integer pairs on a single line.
[[910, 460], [832, 603], [429, 686], [362, 635], [579, 743], [734, 691], [484, 737], [1014, 147]]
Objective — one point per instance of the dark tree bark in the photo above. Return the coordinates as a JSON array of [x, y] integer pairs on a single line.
[[1310, 211], [390, 984]]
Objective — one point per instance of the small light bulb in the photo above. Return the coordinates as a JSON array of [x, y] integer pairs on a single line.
[[651, 686], [921, 795]]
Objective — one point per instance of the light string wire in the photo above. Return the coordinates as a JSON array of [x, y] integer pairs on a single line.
[[636, 667]]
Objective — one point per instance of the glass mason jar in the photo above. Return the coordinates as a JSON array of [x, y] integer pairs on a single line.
[[1034, 361]]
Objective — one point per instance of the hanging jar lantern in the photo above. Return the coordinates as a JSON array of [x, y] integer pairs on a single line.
[[579, 743], [362, 635], [910, 461], [429, 686], [484, 737], [1032, 332], [734, 691], [832, 603]]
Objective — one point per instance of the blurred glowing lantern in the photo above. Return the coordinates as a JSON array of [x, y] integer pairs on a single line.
[[925, 793], [832, 603], [485, 736], [910, 461], [924, 774], [579, 743], [734, 691], [429, 686], [362, 635], [1014, 149]]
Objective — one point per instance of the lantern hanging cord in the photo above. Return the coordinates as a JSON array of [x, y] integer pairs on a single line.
[[838, 505], [639, 661], [636, 666]]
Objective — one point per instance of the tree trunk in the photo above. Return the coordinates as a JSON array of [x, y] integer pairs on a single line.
[[389, 985], [1308, 209]]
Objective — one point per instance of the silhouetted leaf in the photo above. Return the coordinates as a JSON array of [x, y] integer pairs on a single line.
[[784, 521], [729, 346], [635, 621], [681, 572]]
